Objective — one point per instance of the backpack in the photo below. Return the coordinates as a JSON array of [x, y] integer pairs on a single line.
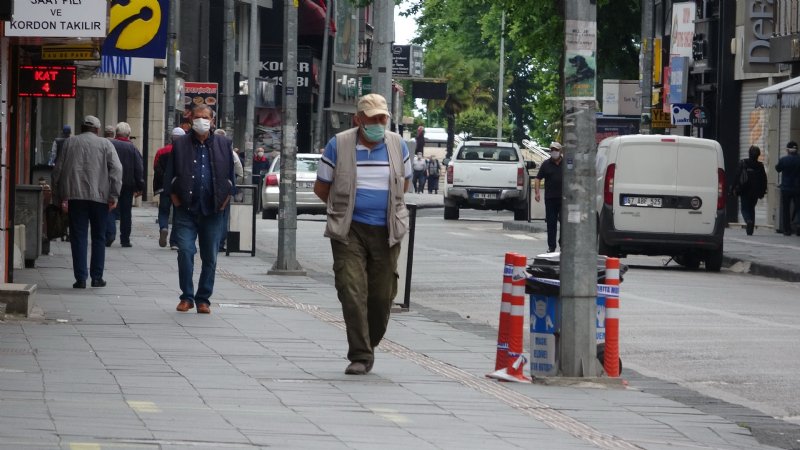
[[743, 179]]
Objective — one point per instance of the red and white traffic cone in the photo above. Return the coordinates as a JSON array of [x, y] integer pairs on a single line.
[[501, 359], [611, 353], [515, 363]]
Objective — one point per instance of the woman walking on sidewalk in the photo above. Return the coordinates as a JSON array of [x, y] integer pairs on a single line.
[[750, 185]]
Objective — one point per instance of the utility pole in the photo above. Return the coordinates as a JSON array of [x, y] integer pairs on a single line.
[[647, 66], [382, 49], [287, 207], [252, 83], [578, 232], [228, 68], [501, 76], [323, 80], [169, 92]]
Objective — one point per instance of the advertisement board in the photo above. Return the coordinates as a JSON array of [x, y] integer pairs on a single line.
[[85, 18], [195, 93]]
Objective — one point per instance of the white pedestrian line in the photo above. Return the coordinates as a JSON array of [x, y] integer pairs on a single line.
[[523, 237]]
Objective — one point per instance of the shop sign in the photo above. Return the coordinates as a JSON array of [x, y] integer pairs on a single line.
[[69, 52], [758, 28], [660, 119], [137, 29], [47, 81], [62, 18], [195, 94], [682, 32]]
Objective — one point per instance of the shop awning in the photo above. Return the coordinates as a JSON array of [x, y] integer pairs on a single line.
[[786, 94]]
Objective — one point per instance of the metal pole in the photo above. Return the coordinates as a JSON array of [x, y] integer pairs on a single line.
[[287, 211], [578, 232], [647, 65], [252, 84], [169, 103], [382, 49], [323, 80], [500, 77], [228, 68]]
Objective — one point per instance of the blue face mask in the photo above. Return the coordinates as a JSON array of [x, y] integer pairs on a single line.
[[374, 132]]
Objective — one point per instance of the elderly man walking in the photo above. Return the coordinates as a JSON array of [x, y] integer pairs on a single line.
[[132, 186], [363, 175], [89, 175]]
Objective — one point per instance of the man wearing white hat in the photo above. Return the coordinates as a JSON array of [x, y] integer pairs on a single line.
[[550, 172], [363, 175], [164, 202]]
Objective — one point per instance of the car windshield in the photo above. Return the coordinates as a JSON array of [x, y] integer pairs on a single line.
[[479, 153], [303, 165]]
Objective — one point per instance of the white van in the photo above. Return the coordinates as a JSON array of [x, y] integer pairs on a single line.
[[661, 195]]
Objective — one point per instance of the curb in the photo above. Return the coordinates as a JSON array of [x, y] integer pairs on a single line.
[[755, 268]]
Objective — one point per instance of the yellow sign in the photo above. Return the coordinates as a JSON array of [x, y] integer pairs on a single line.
[[660, 119], [70, 52], [657, 61]]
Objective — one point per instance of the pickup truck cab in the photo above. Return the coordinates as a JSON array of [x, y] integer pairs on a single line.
[[487, 175]]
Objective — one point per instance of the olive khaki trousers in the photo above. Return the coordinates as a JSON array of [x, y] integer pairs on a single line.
[[365, 271]]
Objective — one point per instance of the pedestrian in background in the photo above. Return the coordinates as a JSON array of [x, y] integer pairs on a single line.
[[420, 140], [789, 168], [89, 175], [238, 172], [132, 186], [750, 184], [550, 172], [108, 132], [58, 143], [200, 182], [164, 202], [433, 170], [419, 166], [260, 162], [363, 175]]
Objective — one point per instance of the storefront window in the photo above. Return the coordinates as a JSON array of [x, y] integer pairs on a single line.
[[90, 101], [51, 122]]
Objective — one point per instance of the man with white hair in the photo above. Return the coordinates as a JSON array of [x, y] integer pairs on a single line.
[[132, 185], [89, 175]]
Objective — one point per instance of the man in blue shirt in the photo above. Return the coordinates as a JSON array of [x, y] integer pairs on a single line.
[[200, 181], [363, 175]]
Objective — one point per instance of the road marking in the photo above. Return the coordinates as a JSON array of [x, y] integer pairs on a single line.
[[526, 405], [522, 237], [391, 415], [83, 446], [143, 406]]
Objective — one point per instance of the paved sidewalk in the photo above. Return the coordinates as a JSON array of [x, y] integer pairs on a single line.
[[119, 368]]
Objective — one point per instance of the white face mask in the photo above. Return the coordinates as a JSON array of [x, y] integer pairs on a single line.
[[201, 126], [555, 154]]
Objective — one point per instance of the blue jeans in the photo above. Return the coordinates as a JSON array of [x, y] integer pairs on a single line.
[[123, 213], [82, 214], [164, 206], [552, 217], [188, 227]]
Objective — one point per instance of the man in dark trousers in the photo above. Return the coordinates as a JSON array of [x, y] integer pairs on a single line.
[[789, 168], [550, 172], [200, 181], [132, 185], [88, 174]]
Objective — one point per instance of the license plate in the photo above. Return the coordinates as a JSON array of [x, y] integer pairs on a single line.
[[305, 184], [485, 195], [646, 202]]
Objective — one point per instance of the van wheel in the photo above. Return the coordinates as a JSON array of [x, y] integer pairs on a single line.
[[605, 249], [521, 214], [714, 260], [451, 213], [269, 214]]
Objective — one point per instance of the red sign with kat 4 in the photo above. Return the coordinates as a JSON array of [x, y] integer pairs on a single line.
[[47, 81]]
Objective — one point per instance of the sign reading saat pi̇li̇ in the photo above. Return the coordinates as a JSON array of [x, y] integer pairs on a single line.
[[58, 18]]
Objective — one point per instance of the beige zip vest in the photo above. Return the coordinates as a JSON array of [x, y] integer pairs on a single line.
[[341, 198]]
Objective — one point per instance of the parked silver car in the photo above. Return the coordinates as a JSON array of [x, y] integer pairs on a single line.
[[307, 201]]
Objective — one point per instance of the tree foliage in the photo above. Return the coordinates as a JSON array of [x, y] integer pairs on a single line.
[[462, 45]]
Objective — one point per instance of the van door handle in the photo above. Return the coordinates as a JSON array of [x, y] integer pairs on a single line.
[[486, 168]]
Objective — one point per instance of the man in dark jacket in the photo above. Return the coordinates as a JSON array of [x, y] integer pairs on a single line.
[[789, 168], [132, 186], [754, 188], [200, 181]]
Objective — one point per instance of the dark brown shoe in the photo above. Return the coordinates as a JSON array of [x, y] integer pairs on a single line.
[[184, 306], [203, 308], [356, 368]]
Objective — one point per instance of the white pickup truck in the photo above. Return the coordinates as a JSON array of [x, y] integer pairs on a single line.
[[487, 175]]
